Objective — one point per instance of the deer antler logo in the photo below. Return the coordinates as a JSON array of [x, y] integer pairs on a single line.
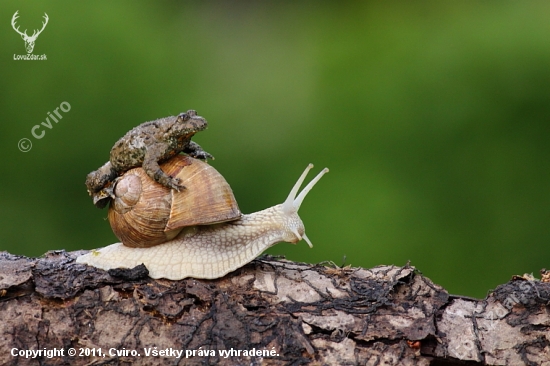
[[29, 41]]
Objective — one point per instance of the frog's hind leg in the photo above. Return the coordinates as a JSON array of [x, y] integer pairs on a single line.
[[96, 180]]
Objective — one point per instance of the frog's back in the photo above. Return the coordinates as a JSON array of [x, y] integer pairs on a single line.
[[129, 151], [168, 135]]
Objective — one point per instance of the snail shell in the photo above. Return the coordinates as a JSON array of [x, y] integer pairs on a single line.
[[144, 213]]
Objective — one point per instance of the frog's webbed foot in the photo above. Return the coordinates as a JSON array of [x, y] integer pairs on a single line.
[[195, 151], [103, 197], [162, 178]]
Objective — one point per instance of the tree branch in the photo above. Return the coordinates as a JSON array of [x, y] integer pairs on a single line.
[[269, 312]]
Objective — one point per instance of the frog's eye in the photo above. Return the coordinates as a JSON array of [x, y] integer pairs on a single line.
[[182, 117], [187, 115]]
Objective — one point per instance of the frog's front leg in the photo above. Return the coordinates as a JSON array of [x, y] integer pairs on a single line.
[[151, 166], [195, 150]]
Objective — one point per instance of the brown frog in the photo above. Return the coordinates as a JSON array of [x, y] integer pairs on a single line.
[[146, 145]]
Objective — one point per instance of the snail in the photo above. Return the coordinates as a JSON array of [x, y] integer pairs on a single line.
[[196, 232]]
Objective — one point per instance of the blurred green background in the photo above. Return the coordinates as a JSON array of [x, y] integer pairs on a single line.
[[433, 118]]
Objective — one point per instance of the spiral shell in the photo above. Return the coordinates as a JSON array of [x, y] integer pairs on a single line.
[[144, 213]]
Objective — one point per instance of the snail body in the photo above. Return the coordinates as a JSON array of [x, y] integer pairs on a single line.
[[208, 250]]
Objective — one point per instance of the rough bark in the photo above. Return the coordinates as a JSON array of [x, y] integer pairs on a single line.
[[296, 313]]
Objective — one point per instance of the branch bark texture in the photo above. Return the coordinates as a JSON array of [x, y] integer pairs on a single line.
[[270, 312]]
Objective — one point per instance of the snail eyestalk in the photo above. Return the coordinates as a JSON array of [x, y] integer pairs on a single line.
[[305, 191], [293, 203]]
